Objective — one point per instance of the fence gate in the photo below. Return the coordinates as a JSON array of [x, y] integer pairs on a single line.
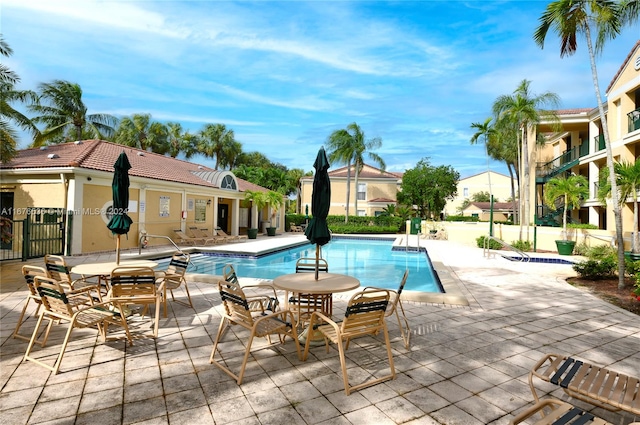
[[44, 231], [41, 232]]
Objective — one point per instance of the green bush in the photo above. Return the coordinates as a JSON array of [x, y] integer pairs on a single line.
[[581, 226], [349, 229], [596, 269], [581, 249], [461, 218], [600, 252], [524, 246], [493, 244]]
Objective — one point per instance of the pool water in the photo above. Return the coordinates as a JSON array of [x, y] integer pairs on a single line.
[[373, 261]]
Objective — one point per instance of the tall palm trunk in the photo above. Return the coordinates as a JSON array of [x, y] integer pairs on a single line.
[[513, 194], [526, 173], [357, 171], [346, 215], [617, 214]]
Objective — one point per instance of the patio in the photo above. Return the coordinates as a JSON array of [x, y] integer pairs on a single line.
[[466, 364]]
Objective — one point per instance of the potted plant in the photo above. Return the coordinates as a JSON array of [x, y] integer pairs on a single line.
[[259, 200], [567, 192], [274, 199]]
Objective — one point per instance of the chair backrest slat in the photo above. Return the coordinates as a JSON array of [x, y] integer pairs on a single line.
[[133, 281], [53, 296], [365, 312], [57, 268], [308, 265], [235, 302], [29, 273]]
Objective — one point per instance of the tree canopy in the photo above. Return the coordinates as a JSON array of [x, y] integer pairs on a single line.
[[428, 187]]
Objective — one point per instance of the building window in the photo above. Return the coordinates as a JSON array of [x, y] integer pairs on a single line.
[[362, 191], [200, 211], [361, 213], [465, 192]]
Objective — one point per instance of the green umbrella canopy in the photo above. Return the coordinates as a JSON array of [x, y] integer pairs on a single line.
[[318, 231], [120, 221]]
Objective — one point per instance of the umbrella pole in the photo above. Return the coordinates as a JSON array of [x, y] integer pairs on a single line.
[[118, 250], [317, 259]]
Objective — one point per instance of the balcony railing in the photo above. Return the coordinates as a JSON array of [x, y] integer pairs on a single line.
[[599, 141], [634, 120], [584, 149], [558, 165]]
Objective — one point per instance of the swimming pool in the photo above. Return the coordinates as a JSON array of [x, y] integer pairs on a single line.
[[374, 262]]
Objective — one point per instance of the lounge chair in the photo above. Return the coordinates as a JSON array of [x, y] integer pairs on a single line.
[[206, 237], [184, 239], [294, 228], [596, 385], [365, 315], [556, 412], [395, 305], [222, 233]]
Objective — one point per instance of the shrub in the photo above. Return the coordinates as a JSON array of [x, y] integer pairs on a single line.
[[581, 226], [600, 252], [493, 244], [596, 269], [524, 246], [581, 249]]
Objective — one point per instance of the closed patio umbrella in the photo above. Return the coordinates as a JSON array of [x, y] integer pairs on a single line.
[[120, 221], [318, 231]]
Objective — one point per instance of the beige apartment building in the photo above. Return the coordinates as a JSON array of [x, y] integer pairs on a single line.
[[468, 186], [375, 190], [579, 148]]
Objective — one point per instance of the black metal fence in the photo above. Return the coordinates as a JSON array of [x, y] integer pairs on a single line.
[[43, 231]]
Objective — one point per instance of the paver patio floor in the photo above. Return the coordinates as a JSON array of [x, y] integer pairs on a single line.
[[466, 364]]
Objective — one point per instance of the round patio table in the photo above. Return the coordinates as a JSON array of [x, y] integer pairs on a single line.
[[103, 270], [318, 292]]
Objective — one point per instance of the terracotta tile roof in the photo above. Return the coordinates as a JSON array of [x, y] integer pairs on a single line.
[[624, 63], [101, 155], [365, 173], [386, 200], [574, 111]]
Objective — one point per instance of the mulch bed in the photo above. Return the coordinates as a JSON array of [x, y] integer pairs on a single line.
[[607, 289]]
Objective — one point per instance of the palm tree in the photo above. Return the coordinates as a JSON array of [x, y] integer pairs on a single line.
[[140, 132], [524, 109], [180, 142], [8, 114], [341, 148], [347, 146], [215, 140], [60, 108], [484, 130], [570, 18], [628, 183], [364, 146], [571, 191], [503, 146]]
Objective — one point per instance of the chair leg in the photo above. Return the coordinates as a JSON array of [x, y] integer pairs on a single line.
[[16, 334], [156, 322], [343, 365], [247, 352], [405, 330]]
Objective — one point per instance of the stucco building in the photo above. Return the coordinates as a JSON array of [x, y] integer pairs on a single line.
[[164, 194]]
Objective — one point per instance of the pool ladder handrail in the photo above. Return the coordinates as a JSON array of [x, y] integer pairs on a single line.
[[162, 237], [486, 251]]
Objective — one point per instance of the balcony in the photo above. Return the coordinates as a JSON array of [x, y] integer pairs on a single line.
[[599, 142], [564, 162], [634, 120]]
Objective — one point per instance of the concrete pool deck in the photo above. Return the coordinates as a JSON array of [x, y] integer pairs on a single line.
[[467, 364]]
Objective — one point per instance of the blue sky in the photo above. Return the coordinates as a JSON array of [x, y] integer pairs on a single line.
[[284, 75]]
